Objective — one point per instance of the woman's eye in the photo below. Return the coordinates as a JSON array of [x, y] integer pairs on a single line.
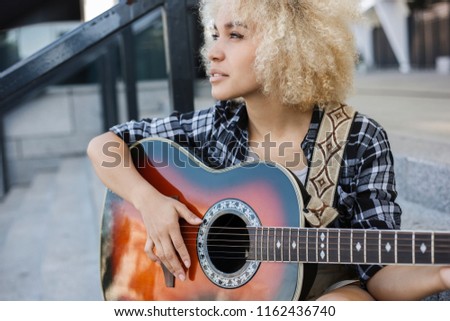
[[236, 35], [232, 35]]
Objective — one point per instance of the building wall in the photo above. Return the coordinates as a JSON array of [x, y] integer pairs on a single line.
[[429, 38]]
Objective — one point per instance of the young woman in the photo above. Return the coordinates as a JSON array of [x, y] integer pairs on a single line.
[[274, 67]]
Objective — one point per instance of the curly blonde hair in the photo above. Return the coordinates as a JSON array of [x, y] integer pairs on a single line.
[[306, 53]]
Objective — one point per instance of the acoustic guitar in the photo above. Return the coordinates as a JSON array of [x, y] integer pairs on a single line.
[[253, 243]]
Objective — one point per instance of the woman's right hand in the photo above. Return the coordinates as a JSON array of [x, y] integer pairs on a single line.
[[165, 244]]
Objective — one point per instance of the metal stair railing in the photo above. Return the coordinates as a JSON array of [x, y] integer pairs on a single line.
[[92, 41]]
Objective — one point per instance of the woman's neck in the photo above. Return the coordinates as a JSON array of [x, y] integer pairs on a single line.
[[276, 132], [270, 117]]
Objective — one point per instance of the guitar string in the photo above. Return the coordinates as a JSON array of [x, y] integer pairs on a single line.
[[400, 242], [402, 257], [403, 252], [315, 230], [374, 249], [388, 234]]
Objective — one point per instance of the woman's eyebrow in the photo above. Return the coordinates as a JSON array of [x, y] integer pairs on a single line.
[[232, 24]]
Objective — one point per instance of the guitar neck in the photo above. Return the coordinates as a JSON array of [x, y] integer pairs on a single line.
[[348, 246]]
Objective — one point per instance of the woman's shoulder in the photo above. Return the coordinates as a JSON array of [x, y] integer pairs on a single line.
[[366, 128], [367, 137]]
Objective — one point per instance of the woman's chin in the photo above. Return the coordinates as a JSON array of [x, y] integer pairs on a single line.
[[221, 97]]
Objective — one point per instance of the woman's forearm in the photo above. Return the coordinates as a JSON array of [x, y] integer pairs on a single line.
[[408, 282], [111, 159]]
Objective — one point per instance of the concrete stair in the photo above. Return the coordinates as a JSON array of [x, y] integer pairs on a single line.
[[49, 240], [49, 235]]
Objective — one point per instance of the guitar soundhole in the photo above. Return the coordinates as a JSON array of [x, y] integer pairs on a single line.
[[228, 243], [224, 243]]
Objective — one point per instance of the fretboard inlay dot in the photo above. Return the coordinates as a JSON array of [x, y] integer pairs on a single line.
[[388, 247], [423, 248]]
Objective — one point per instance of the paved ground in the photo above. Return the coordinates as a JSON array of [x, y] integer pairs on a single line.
[[49, 231]]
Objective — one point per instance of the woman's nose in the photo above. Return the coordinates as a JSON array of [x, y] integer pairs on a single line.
[[215, 52]]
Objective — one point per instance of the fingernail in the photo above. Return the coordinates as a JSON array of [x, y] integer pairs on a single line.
[[181, 277], [198, 220], [187, 264]]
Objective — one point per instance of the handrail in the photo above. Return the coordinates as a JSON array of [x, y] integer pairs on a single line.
[[88, 42], [44, 64]]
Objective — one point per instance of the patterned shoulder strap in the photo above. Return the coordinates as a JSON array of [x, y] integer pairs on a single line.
[[326, 164]]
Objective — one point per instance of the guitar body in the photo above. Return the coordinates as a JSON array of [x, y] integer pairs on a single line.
[[254, 194]]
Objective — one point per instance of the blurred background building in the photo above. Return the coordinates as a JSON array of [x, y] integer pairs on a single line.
[[396, 34]]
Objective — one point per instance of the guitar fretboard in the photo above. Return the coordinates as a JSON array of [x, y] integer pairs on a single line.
[[349, 246]]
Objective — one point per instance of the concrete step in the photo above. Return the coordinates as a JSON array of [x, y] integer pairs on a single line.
[[70, 268], [7, 209], [49, 243], [416, 216], [424, 182], [24, 245]]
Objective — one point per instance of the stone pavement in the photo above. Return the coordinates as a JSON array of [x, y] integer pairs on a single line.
[[49, 231]]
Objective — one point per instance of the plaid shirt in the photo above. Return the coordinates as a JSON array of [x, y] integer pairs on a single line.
[[218, 137]]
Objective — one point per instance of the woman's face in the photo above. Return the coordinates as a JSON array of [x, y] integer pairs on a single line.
[[232, 56]]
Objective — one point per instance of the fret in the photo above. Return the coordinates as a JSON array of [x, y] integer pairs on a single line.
[[373, 246], [358, 246], [423, 248], [379, 246], [277, 248], [345, 246], [273, 243], [405, 243], [387, 247], [253, 251], [351, 245], [298, 245], [365, 246], [396, 248], [291, 245], [261, 245], [286, 245], [263, 251], [441, 248], [312, 245], [270, 244], [339, 246], [303, 245], [432, 248], [333, 245], [287, 249], [266, 243]]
